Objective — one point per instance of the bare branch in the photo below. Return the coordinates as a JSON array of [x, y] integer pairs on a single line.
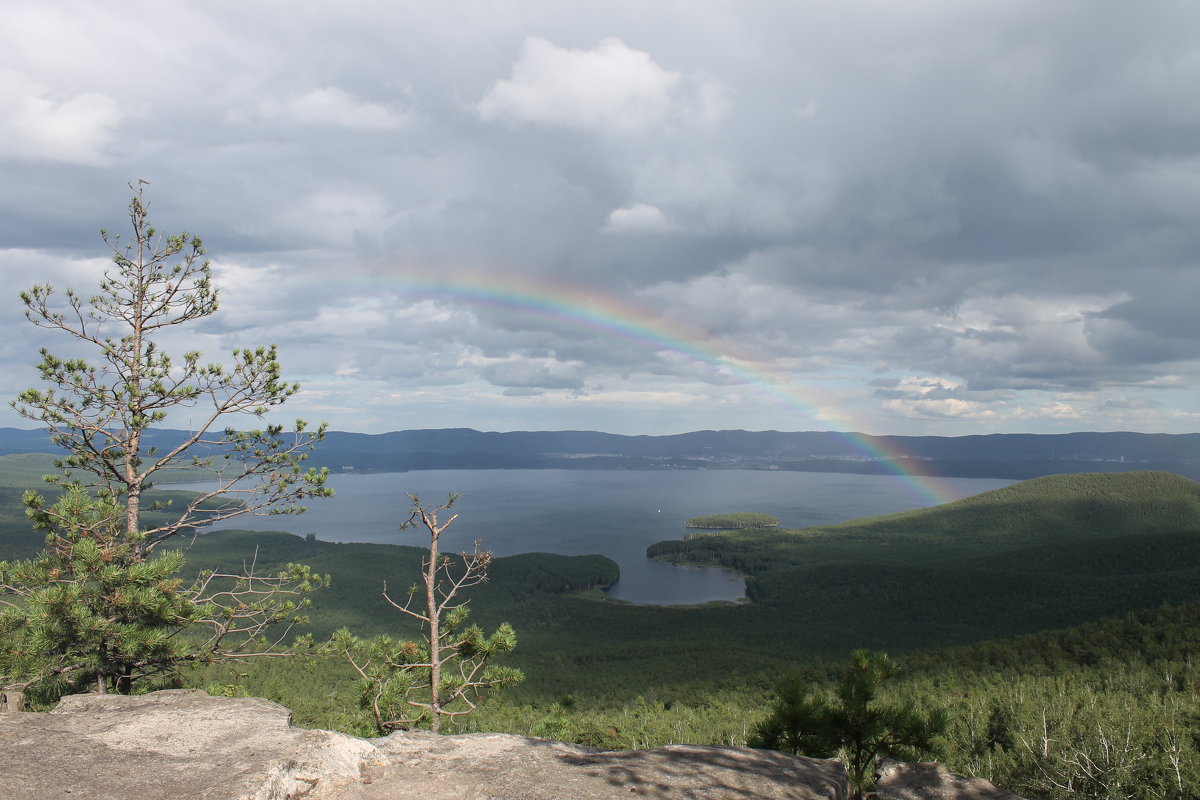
[[410, 683]]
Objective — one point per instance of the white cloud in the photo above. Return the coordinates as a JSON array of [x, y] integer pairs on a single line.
[[331, 107], [610, 87], [36, 122], [1060, 410], [825, 194], [935, 398], [638, 218]]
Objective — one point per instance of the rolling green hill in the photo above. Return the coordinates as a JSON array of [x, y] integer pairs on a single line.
[[1048, 553], [1055, 510]]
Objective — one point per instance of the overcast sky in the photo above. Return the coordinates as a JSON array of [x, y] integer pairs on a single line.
[[639, 217]]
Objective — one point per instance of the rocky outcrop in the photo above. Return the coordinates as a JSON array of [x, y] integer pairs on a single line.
[[11, 701], [896, 780], [185, 744], [428, 767], [175, 744]]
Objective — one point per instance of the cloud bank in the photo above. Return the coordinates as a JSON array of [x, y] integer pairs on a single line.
[[893, 218]]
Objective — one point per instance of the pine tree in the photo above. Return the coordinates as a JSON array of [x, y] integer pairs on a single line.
[[102, 604], [409, 683], [856, 724]]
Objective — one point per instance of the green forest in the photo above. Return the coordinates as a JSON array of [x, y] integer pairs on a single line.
[[735, 521], [1050, 619]]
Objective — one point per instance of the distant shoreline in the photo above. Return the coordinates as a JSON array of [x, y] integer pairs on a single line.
[[999, 456]]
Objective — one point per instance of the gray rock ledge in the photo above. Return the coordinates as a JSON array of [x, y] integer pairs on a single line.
[[896, 780], [179, 744], [173, 745]]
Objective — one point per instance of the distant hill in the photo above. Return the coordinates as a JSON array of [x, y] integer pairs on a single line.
[[1014, 456], [1050, 552], [1078, 511], [1047, 553]]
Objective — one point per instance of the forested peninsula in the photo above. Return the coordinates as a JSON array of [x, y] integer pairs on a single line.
[[735, 521]]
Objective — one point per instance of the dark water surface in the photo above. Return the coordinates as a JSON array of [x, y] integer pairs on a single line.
[[613, 512]]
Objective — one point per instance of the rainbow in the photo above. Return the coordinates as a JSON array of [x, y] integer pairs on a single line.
[[590, 309]]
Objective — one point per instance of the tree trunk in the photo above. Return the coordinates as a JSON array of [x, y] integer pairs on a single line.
[[435, 641]]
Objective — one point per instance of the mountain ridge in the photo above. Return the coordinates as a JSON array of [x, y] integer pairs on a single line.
[[1014, 456]]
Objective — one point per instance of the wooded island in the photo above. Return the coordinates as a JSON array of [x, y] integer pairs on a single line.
[[733, 522]]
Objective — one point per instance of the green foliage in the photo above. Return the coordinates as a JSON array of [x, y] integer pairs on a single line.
[[734, 521], [90, 611], [394, 673], [856, 723], [1119, 730], [100, 604], [798, 721]]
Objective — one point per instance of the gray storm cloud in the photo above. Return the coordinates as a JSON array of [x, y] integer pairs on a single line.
[[943, 217]]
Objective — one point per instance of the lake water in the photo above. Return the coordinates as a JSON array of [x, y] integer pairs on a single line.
[[613, 512]]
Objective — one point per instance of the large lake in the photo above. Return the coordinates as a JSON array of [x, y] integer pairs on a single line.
[[612, 512]]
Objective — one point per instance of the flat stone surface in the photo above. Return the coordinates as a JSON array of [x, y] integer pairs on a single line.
[[493, 766], [897, 780], [173, 745], [185, 745]]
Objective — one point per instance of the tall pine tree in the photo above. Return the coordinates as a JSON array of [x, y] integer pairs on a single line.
[[102, 605]]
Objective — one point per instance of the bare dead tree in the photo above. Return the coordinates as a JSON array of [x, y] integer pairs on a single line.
[[407, 683]]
